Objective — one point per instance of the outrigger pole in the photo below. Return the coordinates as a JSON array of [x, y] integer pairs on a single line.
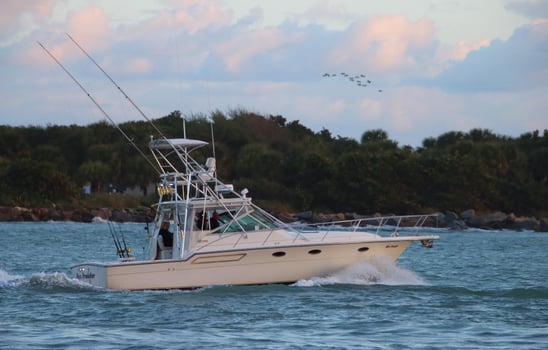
[[117, 86], [130, 140]]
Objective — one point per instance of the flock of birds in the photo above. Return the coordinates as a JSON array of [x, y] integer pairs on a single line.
[[359, 80]]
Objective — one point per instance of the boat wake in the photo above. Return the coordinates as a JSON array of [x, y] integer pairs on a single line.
[[41, 280], [379, 271]]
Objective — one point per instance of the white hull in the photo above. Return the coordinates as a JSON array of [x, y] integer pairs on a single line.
[[238, 267]]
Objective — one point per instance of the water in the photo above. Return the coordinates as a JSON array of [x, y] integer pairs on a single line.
[[473, 290]]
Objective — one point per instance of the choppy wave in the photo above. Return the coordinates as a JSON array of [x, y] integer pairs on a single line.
[[7, 279], [41, 280], [379, 271]]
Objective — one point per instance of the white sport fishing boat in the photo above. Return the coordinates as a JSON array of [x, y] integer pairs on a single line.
[[221, 238]]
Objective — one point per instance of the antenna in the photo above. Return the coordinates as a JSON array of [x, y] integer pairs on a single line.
[[100, 108], [212, 139], [184, 125]]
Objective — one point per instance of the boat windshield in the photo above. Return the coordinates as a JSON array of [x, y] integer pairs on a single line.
[[250, 221]]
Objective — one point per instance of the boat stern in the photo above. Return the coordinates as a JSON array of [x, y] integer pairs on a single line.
[[93, 274]]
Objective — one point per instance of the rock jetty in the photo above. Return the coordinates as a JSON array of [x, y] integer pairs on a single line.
[[494, 221], [467, 219], [77, 215]]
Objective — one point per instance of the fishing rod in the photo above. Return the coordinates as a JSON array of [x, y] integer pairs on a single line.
[[126, 249], [115, 239], [117, 86], [130, 140]]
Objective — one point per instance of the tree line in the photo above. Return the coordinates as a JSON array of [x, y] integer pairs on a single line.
[[285, 165]]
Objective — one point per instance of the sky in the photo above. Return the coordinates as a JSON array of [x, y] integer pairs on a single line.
[[433, 66]]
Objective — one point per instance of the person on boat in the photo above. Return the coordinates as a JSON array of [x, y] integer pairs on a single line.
[[214, 221], [201, 221], [165, 237]]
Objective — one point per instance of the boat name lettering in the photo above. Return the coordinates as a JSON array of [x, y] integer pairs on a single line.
[[85, 275]]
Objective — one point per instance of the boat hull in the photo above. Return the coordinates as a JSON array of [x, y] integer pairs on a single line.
[[237, 267]]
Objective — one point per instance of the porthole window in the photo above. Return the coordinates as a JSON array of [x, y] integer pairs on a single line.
[[363, 249], [314, 251], [278, 254]]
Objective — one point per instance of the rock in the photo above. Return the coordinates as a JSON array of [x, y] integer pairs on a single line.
[[103, 213], [543, 225], [436, 221], [450, 217], [530, 224], [495, 220], [475, 221], [350, 216], [467, 214], [16, 215], [10, 214], [496, 216], [76, 216], [120, 216], [305, 215], [87, 217], [56, 216], [459, 225]]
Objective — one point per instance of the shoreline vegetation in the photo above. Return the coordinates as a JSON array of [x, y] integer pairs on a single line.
[[496, 220], [287, 167]]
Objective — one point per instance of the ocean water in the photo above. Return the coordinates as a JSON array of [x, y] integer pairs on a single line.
[[473, 290]]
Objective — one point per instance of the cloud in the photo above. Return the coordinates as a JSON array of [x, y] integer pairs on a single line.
[[460, 51], [521, 62], [385, 44], [18, 17], [175, 18], [325, 11], [197, 56], [530, 9], [242, 48], [137, 66], [90, 27]]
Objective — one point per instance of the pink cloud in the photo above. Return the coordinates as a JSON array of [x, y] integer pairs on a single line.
[[244, 47], [197, 15], [190, 16], [90, 27], [137, 66], [13, 10], [385, 43], [461, 50]]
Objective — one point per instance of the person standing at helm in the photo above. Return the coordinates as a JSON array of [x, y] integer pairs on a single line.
[[165, 237]]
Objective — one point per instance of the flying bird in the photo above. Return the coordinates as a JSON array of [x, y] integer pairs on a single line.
[[356, 79]]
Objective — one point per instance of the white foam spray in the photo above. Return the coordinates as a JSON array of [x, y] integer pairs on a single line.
[[40, 280], [378, 271]]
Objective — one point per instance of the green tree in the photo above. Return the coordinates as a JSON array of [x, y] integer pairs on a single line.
[[38, 183], [96, 172]]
